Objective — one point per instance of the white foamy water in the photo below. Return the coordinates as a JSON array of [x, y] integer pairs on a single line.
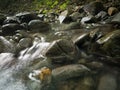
[[7, 81], [14, 70]]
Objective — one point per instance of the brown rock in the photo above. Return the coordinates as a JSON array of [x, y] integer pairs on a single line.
[[112, 11]]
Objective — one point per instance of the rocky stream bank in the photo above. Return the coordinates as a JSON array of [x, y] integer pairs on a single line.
[[78, 49]]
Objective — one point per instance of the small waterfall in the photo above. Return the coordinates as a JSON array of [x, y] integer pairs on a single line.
[[7, 81], [13, 70], [34, 52]]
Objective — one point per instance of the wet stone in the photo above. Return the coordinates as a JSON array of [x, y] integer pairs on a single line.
[[88, 19], [25, 42], [64, 17], [102, 15], [69, 71], [62, 52], [116, 18], [10, 28], [80, 40], [38, 26], [11, 19], [72, 25], [110, 43], [96, 34], [25, 17], [93, 8]]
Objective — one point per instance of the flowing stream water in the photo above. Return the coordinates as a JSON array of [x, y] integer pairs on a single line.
[[14, 71]]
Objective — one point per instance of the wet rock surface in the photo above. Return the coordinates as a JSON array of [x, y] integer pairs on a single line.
[[73, 50]]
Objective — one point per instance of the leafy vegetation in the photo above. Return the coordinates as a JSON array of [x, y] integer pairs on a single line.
[[51, 4], [21, 5]]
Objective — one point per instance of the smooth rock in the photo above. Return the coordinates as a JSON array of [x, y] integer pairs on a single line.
[[96, 34], [9, 29], [72, 25], [81, 39], [25, 17], [69, 71], [62, 52], [25, 42], [112, 10], [110, 43], [93, 8], [64, 17], [38, 26], [41, 16], [88, 19], [116, 18], [102, 15], [11, 19], [95, 65]]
